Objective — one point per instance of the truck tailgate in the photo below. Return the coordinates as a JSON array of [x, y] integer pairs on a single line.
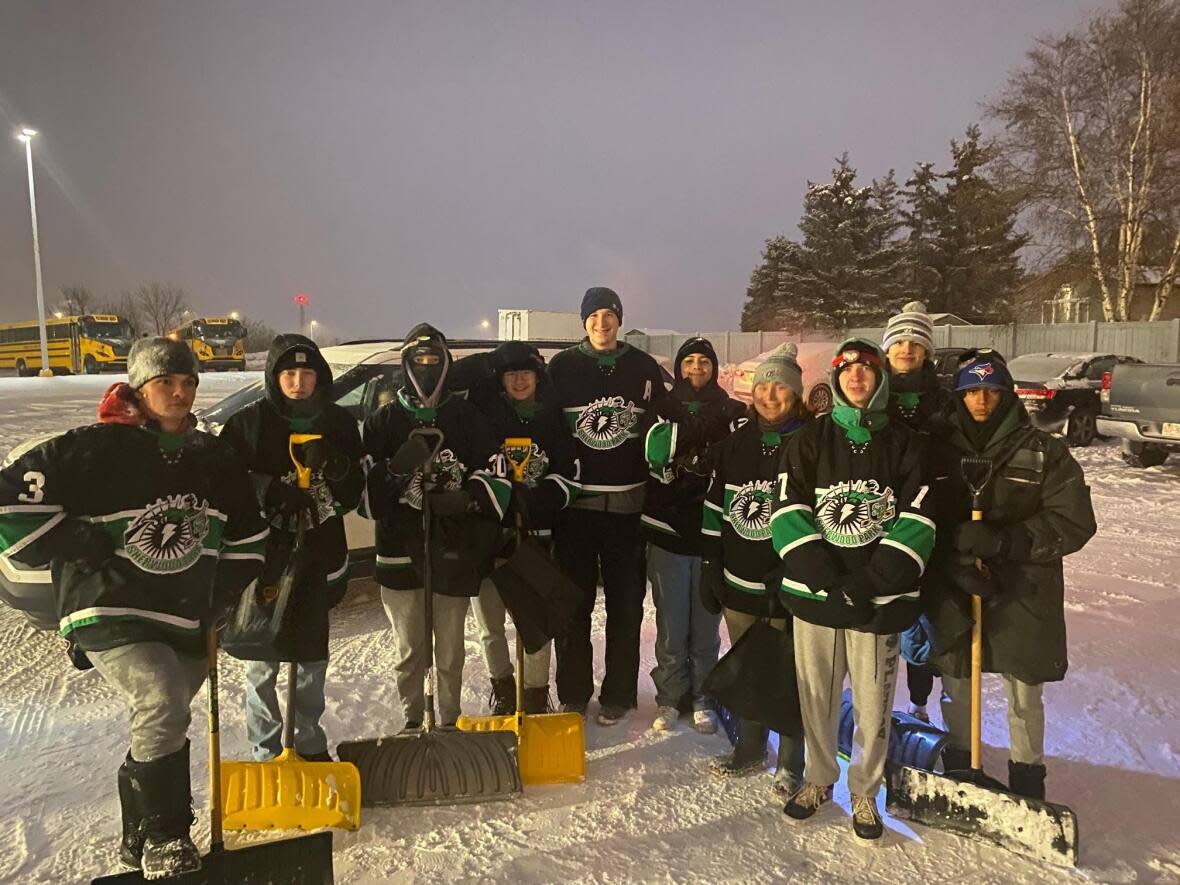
[[1149, 395]]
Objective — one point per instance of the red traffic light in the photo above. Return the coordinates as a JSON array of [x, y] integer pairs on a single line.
[[301, 299]]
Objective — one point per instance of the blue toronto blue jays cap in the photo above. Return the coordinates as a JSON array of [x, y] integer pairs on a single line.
[[989, 371]]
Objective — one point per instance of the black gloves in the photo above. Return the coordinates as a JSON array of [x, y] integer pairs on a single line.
[[452, 503], [852, 598], [86, 543], [320, 455], [288, 499], [984, 540], [712, 587], [970, 580]]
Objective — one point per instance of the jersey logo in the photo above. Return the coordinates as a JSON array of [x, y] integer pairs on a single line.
[[321, 494], [167, 537], [605, 423], [536, 466], [852, 514], [448, 475], [749, 511]]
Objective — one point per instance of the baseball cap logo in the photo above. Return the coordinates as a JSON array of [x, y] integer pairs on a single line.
[[981, 371]]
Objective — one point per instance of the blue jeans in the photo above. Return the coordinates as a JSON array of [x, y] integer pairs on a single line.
[[688, 637], [264, 720]]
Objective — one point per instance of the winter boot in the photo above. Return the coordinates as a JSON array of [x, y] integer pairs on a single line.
[[788, 772], [611, 714], [163, 795], [667, 718], [866, 821], [536, 700], [131, 847], [749, 753], [502, 700], [1026, 779], [807, 801], [955, 759]]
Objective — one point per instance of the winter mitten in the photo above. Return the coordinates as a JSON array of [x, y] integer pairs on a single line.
[[982, 539], [712, 587], [455, 502], [320, 455], [288, 499], [970, 580], [853, 599]]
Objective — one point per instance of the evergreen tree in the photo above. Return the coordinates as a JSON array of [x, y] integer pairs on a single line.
[[923, 216], [763, 307], [982, 271]]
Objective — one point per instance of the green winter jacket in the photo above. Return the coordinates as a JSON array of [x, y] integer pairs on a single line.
[[1039, 492]]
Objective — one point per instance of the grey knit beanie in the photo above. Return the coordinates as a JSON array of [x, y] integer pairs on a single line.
[[153, 357], [781, 366], [912, 324]]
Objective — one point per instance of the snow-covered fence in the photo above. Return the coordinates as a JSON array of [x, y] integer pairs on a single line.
[[1153, 342]]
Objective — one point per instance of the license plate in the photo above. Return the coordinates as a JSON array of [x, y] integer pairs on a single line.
[[1171, 430]]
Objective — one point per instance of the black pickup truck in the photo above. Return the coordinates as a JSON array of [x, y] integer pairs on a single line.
[[1141, 406]]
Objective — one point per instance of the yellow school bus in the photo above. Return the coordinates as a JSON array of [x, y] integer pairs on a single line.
[[217, 342], [92, 343]]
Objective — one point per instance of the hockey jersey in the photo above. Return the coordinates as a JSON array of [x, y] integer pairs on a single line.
[[607, 400], [181, 515], [735, 525], [469, 459]]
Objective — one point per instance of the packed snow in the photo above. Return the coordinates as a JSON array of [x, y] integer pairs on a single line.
[[648, 811]]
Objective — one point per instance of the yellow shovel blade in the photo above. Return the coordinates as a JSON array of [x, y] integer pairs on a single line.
[[552, 746], [287, 793]]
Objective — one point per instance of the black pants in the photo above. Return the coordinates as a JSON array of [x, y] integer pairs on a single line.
[[919, 680], [586, 542]]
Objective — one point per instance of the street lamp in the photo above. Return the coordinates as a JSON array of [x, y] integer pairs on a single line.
[[25, 136], [235, 315], [485, 324]]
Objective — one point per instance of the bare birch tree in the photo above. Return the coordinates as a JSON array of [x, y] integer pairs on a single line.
[[160, 307], [1092, 142]]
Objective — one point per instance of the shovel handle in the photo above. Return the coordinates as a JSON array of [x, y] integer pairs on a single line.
[[215, 834], [977, 668]]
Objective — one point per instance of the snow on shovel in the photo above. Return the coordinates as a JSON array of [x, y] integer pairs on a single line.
[[971, 803]]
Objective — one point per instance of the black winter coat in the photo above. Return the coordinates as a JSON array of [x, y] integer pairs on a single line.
[[260, 433], [1039, 492]]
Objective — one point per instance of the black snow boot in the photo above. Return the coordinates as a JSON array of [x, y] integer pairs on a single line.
[[955, 759], [502, 700], [131, 847], [536, 700], [1026, 779], [749, 754], [164, 797]]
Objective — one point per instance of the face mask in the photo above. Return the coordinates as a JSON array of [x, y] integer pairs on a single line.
[[428, 380]]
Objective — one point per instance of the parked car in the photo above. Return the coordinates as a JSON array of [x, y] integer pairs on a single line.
[[1062, 390], [946, 364], [1141, 406], [815, 359]]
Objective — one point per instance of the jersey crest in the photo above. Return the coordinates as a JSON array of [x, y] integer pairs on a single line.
[[605, 423], [750, 508], [852, 514], [448, 474], [534, 469], [168, 536]]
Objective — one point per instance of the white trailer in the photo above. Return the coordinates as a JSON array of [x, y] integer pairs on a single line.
[[526, 324]]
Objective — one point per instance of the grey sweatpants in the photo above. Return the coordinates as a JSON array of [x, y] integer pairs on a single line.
[[158, 685], [1026, 717], [406, 610], [489, 615], [823, 655]]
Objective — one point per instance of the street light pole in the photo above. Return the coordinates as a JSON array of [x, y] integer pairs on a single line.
[[26, 136]]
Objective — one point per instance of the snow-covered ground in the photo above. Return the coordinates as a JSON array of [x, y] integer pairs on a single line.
[[647, 812]]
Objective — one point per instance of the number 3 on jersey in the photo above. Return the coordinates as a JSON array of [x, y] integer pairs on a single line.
[[36, 492]]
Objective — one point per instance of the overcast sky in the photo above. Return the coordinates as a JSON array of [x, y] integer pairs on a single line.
[[409, 161]]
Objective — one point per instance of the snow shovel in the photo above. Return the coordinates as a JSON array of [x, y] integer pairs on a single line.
[[306, 860], [970, 802], [288, 792], [552, 746], [433, 767]]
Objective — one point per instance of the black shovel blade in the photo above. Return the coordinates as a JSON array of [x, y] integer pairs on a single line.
[[1032, 827], [436, 768], [306, 860]]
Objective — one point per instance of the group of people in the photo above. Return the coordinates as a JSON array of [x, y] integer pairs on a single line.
[[849, 529]]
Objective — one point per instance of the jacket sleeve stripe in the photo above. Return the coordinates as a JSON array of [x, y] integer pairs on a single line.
[[86, 616], [498, 491], [19, 530], [887, 542]]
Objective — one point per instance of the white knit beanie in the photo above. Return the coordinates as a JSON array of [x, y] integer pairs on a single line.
[[912, 324], [781, 365]]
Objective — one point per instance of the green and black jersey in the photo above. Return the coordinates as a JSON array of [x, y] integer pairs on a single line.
[[180, 510]]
